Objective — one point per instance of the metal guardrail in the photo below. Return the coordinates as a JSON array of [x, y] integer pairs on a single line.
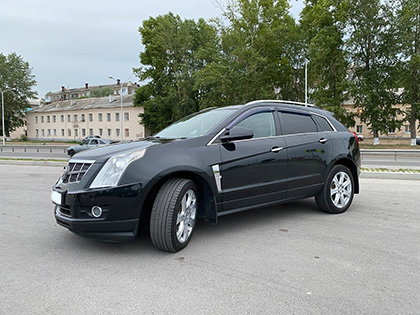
[[62, 149], [390, 153], [34, 148]]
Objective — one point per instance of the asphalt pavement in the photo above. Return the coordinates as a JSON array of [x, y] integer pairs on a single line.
[[288, 259]]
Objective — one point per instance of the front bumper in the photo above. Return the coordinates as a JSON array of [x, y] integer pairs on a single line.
[[118, 222]]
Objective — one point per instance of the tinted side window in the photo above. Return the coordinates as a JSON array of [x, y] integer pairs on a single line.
[[262, 124], [297, 123], [322, 123], [94, 142]]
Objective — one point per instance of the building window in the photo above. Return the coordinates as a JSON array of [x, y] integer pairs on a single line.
[[75, 118], [117, 116], [83, 132], [54, 119], [48, 119], [55, 133], [37, 132], [108, 117], [407, 129], [36, 119], [359, 129], [90, 117], [76, 133], [42, 119], [62, 132], [391, 130], [127, 132], [100, 132], [43, 132], [90, 132], [68, 118], [62, 118], [49, 132], [100, 117], [109, 132], [82, 119], [126, 116], [117, 132], [69, 132]]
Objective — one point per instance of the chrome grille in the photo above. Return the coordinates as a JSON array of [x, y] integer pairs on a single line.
[[75, 170]]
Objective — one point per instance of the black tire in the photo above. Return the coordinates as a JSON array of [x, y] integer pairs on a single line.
[[327, 199], [71, 152], [166, 208]]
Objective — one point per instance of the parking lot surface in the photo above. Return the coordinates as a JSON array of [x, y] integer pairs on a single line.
[[288, 259]]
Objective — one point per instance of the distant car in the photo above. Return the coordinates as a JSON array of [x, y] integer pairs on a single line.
[[87, 144], [418, 140], [92, 137], [360, 137]]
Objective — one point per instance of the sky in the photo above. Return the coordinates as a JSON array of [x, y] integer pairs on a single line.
[[70, 43]]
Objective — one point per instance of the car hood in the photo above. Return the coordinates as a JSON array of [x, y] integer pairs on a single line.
[[103, 153]]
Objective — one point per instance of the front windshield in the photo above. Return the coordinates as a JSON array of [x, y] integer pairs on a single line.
[[85, 142], [195, 125]]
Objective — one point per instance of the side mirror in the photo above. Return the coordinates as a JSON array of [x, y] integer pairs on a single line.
[[237, 133]]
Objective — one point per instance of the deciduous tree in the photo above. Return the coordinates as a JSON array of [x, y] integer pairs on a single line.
[[15, 74]]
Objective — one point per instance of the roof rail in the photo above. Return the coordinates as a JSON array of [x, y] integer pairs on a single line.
[[284, 102]]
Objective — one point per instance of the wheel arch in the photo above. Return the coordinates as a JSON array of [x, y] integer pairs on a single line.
[[207, 207]]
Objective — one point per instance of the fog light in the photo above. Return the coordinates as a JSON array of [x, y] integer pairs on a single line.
[[96, 211]]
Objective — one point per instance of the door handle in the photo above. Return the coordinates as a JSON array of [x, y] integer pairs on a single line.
[[323, 140], [276, 149]]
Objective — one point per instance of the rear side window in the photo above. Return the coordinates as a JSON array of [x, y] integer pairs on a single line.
[[296, 123], [322, 123], [262, 124]]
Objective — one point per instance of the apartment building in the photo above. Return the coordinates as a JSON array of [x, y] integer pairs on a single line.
[[363, 128], [67, 119]]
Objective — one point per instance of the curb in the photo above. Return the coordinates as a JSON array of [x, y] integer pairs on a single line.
[[391, 175], [34, 163]]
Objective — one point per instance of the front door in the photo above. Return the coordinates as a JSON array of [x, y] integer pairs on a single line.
[[254, 170]]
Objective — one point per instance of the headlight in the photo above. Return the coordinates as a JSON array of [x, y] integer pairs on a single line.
[[111, 172]]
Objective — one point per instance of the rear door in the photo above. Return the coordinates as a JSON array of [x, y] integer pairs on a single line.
[[254, 170], [309, 151]]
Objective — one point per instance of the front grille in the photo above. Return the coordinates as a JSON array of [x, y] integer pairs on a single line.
[[75, 171], [65, 211]]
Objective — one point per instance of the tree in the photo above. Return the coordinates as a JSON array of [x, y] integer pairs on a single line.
[[373, 55], [260, 54], [173, 54], [323, 23], [101, 92], [16, 74], [408, 26]]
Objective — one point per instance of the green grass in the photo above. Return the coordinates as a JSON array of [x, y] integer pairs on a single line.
[[400, 170]]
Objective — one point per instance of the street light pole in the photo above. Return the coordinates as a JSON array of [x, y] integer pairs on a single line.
[[2, 111], [121, 111]]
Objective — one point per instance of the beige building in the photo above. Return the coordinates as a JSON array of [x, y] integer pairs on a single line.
[[363, 129], [91, 116], [67, 118]]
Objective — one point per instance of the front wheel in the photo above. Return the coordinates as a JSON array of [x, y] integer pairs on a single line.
[[174, 214], [337, 194]]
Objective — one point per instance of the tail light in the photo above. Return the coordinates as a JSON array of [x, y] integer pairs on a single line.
[[357, 138]]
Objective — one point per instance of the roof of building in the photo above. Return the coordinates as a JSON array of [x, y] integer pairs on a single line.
[[86, 103], [93, 87]]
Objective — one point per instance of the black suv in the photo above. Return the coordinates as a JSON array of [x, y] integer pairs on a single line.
[[209, 164]]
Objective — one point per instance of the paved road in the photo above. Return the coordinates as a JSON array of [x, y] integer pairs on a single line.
[[289, 259]]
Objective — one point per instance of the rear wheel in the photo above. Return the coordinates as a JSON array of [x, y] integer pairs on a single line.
[[173, 214], [337, 194]]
